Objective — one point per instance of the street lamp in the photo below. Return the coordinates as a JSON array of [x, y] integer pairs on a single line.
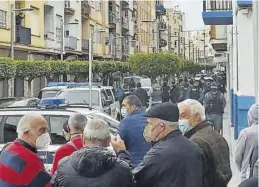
[[13, 25], [90, 66], [62, 38], [113, 48]]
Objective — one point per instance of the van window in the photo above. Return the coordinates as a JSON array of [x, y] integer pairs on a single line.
[[110, 95], [56, 125], [10, 126]]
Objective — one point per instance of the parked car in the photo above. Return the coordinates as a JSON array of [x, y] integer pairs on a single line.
[[103, 98]]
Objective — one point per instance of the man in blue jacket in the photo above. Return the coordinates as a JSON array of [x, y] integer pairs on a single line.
[[132, 127]]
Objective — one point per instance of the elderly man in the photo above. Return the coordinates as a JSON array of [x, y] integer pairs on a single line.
[[72, 132], [19, 162], [247, 144], [173, 160], [217, 171], [94, 164], [131, 129]]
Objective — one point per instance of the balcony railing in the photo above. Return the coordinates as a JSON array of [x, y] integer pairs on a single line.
[[217, 5], [68, 8], [71, 42], [125, 22], [162, 43], [162, 26], [112, 18], [85, 9], [23, 35], [85, 45]]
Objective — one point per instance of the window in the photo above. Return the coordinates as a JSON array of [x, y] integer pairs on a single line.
[[104, 97], [175, 43], [10, 126], [110, 95], [3, 21], [80, 96], [56, 126]]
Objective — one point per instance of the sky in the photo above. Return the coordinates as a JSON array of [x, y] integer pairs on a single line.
[[192, 10]]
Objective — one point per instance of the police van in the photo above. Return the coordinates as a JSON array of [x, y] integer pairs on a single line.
[[56, 115]]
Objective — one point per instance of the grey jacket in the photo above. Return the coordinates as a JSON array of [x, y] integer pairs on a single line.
[[247, 142]]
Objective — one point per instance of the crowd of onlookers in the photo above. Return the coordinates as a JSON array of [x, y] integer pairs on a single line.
[[174, 144]]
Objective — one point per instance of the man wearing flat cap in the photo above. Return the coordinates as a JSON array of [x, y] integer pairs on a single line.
[[173, 160]]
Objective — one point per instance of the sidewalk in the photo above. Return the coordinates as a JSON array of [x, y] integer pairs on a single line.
[[228, 133]]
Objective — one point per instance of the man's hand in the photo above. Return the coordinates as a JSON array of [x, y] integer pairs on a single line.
[[117, 143]]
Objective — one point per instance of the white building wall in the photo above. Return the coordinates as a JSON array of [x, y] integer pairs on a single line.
[[245, 53], [58, 7], [221, 32]]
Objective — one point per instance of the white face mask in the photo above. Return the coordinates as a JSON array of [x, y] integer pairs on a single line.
[[124, 112], [43, 141]]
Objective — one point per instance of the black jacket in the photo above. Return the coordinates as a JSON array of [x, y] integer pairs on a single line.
[[93, 167], [142, 95], [175, 94], [217, 171], [172, 162]]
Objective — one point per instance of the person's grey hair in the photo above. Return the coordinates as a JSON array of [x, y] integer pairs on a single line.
[[24, 124], [77, 122], [133, 100], [195, 107], [97, 129]]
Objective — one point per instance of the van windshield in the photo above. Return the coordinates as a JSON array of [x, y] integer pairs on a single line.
[[80, 96]]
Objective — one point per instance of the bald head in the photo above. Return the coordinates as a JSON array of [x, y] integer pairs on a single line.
[[31, 126]]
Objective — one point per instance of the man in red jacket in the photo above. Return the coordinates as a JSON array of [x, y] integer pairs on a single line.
[[73, 133], [19, 163]]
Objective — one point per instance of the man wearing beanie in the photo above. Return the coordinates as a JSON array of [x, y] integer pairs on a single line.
[[173, 160]]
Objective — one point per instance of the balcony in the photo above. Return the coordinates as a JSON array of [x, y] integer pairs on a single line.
[[217, 12], [162, 26], [71, 43], [23, 35], [162, 43], [85, 9], [160, 10], [112, 20], [68, 9], [85, 45], [244, 3], [125, 23], [125, 49]]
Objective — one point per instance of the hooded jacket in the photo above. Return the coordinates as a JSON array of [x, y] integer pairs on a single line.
[[247, 142], [93, 167]]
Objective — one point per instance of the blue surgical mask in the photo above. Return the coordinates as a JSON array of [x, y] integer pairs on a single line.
[[124, 112], [184, 126]]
